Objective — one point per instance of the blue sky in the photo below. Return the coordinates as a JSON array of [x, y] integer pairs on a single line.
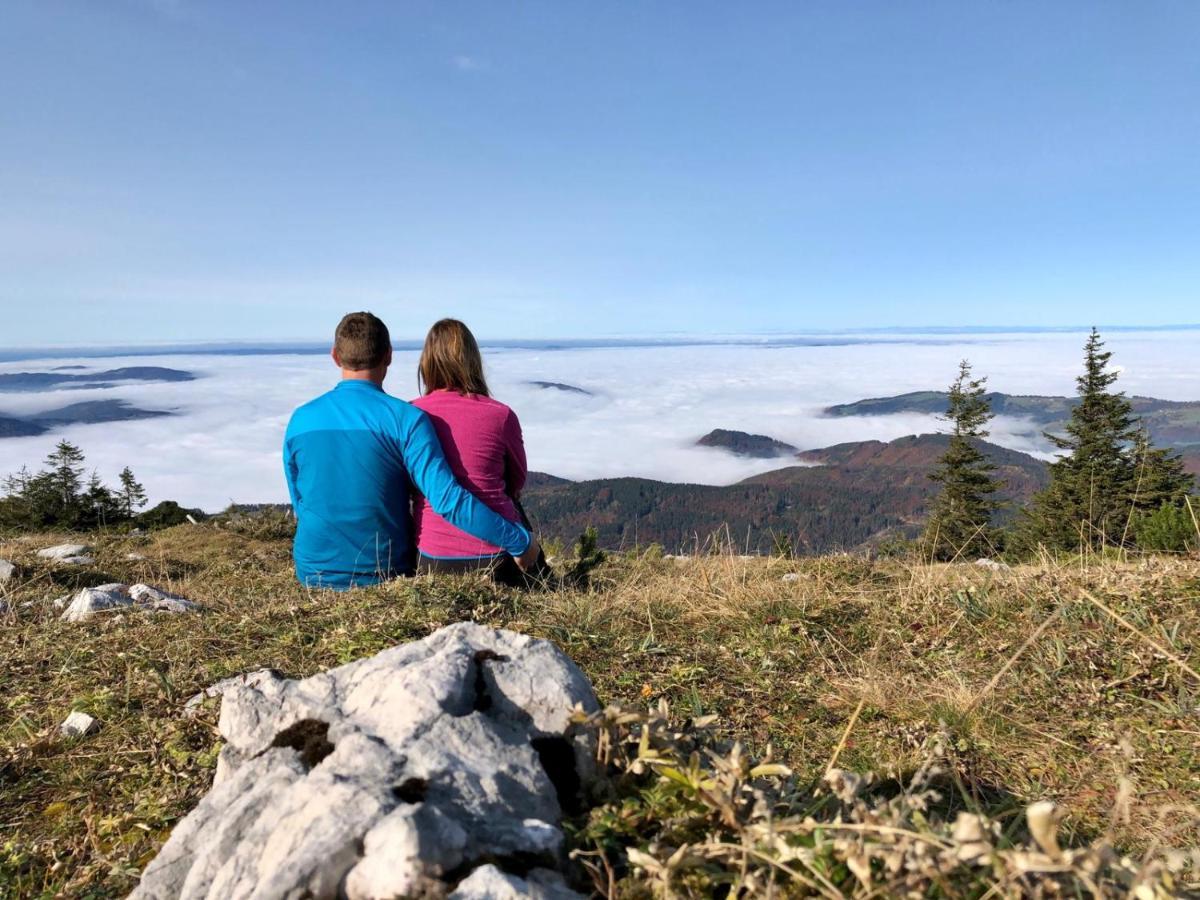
[[186, 170]]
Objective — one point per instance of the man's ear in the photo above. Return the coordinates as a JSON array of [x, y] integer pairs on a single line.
[[337, 360], [387, 360]]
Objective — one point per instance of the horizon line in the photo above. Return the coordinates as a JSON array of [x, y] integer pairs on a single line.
[[781, 338]]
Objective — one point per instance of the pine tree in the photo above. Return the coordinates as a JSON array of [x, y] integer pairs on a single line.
[[1088, 501], [960, 522], [98, 505], [1159, 475], [131, 495], [66, 473]]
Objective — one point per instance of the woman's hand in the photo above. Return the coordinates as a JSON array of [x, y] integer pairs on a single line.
[[528, 560]]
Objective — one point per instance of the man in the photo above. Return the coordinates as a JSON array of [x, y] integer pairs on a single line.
[[351, 456]]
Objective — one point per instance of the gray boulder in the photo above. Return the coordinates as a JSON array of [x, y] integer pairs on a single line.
[[109, 597], [402, 775]]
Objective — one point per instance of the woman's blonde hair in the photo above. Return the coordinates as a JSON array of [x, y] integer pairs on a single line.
[[451, 360]]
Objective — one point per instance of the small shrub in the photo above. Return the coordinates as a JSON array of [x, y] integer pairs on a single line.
[[1168, 529]]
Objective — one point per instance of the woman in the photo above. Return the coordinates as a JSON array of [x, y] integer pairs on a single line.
[[481, 438]]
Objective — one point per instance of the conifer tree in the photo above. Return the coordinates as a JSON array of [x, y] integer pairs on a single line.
[[98, 506], [1108, 469], [1158, 475], [131, 496], [960, 524], [66, 472]]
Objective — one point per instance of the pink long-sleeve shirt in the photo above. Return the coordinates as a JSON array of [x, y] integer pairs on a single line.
[[481, 438]]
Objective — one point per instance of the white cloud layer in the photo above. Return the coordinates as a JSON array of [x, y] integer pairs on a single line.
[[649, 406]]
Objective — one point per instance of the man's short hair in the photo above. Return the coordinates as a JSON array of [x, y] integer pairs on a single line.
[[361, 341]]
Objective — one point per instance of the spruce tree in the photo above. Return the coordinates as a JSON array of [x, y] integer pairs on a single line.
[[1088, 501], [131, 496], [1158, 475], [960, 524], [98, 505], [66, 472]]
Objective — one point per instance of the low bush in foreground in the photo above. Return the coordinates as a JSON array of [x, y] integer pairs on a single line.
[[971, 694]]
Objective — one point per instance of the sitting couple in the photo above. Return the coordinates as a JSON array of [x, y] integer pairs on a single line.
[[375, 481]]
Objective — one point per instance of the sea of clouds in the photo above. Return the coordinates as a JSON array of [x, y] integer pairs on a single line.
[[648, 404]]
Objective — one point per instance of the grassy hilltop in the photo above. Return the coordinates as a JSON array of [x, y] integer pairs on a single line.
[[1026, 679]]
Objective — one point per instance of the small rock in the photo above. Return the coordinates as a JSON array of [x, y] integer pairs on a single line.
[[991, 565], [61, 602], [134, 556], [7, 570], [489, 883], [791, 576], [91, 601], [3, 607], [161, 601], [84, 560], [65, 552], [78, 724], [110, 597]]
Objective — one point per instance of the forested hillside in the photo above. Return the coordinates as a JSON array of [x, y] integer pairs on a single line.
[[855, 494]]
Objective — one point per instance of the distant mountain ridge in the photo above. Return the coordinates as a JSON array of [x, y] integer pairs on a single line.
[[857, 494], [89, 412], [1174, 423], [61, 379]]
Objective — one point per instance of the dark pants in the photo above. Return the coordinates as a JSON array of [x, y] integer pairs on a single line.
[[502, 569]]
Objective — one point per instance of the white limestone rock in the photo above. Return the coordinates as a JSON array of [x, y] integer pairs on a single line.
[[991, 565], [389, 777], [158, 600], [65, 552], [7, 571], [90, 601], [791, 576], [78, 724], [490, 883], [116, 597], [194, 703]]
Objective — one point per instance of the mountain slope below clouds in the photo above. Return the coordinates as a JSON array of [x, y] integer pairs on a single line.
[[857, 494]]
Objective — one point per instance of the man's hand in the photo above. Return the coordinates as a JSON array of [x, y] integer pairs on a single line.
[[528, 560]]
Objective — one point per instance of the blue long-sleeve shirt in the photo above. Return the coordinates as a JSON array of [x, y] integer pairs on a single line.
[[350, 457]]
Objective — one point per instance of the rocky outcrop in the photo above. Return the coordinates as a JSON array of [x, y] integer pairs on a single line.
[[437, 768], [115, 597]]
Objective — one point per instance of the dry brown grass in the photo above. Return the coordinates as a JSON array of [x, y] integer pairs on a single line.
[[1081, 707]]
